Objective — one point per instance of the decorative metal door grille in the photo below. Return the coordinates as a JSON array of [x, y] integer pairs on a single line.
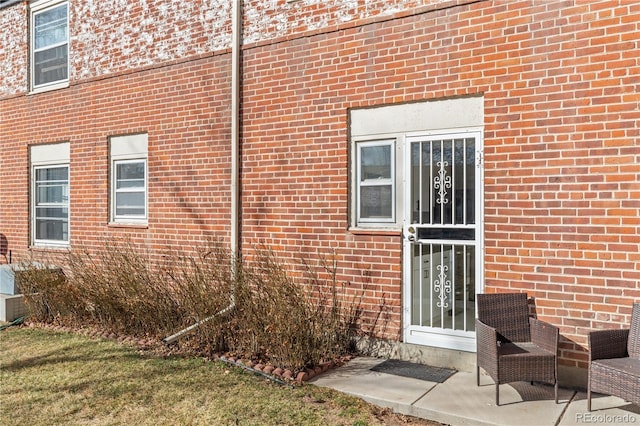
[[442, 232], [443, 181], [443, 289]]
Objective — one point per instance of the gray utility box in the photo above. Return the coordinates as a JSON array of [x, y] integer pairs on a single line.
[[11, 300], [8, 280], [12, 307]]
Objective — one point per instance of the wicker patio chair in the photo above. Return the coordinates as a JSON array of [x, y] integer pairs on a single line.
[[512, 347], [614, 361]]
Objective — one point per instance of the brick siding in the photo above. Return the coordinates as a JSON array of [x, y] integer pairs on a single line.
[[561, 83]]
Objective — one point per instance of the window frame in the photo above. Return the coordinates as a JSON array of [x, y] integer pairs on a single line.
[[37, 8], [360, 183], [128, 148], [128, 219], [35, 205]]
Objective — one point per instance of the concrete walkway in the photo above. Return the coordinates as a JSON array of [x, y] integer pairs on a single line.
[[458, 401]]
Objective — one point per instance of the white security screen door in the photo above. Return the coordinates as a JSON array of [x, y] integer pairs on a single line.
[[442, 239]]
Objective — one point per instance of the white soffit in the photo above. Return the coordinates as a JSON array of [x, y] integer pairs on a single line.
[[53, 153], [416, 117], [129, 146]]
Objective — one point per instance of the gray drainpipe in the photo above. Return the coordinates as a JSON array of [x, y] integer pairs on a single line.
[[236, 82], [236, 45]]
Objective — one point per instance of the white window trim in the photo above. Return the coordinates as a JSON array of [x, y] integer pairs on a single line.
[[128, 148], [49, 243], [355, 224], [48, 156], [128, 219], [36, 8], [378, 182]]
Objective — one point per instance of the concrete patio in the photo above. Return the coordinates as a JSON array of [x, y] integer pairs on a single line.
[[458, 401]]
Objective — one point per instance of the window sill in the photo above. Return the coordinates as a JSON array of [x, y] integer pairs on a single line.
[[376, 231], [128, 225], [50, 246], [48, 88]]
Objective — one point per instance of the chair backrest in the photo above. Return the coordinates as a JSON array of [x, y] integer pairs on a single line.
[[633, 345], [508, 313]]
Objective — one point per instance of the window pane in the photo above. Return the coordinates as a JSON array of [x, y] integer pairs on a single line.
[[50, 65], [51, 229], [130, 183], [375, 162], [130, 170], [130, 189], [52, 173], [50, 45], [50, 27], [130, 175], [51, 213], [130, 204], [51, 210], [376, 202], [51, 194]]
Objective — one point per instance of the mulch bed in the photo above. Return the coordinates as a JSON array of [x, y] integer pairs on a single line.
[[152, 345]]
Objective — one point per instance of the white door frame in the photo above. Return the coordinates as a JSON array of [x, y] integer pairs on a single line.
[[435, 336]]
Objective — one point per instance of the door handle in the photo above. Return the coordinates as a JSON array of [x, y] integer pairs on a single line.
[[411, 231]]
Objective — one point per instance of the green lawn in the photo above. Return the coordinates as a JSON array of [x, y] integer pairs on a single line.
[[49, 378]]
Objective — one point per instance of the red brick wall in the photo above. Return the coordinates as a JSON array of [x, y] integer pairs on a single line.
[[562, 177], [183, 108], [562, 112], [560, 83]]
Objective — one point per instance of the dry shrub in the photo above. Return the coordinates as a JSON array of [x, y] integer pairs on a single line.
[[203, 286], [121, 290], [292, 323], [47, 293], [256, 308]]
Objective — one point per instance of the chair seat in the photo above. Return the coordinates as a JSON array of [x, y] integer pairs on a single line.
[[628, 367], [523, 349], [525, 362], [616, 376]]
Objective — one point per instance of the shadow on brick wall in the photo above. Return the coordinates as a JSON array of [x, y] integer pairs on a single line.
[[4, 247]]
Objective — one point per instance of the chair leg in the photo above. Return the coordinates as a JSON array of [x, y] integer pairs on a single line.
[[555, 389], [497, 394], [478, 375], [589, 388]]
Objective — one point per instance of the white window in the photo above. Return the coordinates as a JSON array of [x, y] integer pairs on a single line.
[[376, 182], [50, 194], [129, 179], [130, 189], [51, 204], [49, 44]]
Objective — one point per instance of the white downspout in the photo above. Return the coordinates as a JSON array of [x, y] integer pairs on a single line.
[[236, 46]]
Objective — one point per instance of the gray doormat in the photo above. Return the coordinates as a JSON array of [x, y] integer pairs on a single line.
[[416, 371]]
